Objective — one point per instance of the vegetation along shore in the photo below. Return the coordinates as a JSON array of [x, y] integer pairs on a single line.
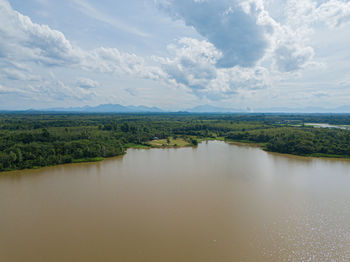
[[37, 140]]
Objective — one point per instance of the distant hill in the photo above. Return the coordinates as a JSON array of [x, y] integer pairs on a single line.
[[108, 108], [117, 108], [212, 109], [306, 110]]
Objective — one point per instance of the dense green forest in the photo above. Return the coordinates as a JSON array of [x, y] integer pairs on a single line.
[[36, 140]]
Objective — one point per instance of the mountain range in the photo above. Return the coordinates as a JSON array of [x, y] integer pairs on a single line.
[[108, 108], [117, 108]]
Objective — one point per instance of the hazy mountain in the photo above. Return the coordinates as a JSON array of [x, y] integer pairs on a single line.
[[117, 108], [212, 109], [108, 108], [340, 109]]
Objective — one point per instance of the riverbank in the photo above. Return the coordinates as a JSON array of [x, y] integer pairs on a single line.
[[179, 142], [171, 142], [158, 143], [184, 142], [33, 141], [263, 147]]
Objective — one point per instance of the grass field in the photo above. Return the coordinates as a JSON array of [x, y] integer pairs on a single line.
[[178, 142], [132, 145], [94, 159]]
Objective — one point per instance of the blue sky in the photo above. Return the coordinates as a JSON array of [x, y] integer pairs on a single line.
[[174, 54]]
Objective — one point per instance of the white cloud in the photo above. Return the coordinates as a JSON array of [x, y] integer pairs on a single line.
[[23, 40], [87, 83], [290, 57], [193, 62], [344, 83], [227, 26], [241, 36], [245, 33], [25, 43], [193, 66], [57, 90], [111, 60], [49, 91], [94, 13], [320, 94], [12, 73], [333, 13], [5, 91], [241, 50]]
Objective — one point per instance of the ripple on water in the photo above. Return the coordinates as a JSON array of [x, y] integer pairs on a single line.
[[314, 236]]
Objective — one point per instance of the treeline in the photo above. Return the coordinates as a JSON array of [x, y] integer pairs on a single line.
[[30, 141], [299, 140], [22, 148]]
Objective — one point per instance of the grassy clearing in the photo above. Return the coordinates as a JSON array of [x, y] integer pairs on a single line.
[[138, 146], [94, 159], [218, 138], [329, 156], [178, 142], [246, 142]]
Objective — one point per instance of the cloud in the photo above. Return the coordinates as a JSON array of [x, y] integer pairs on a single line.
[[333, 13], [290, 57], [320, 94], [57, 90], [244, 33], [290, 44], [193, 62], [50, 91], [87, 83], [193, 65], [236, 80], [11, 73], [92, 12], [225, 24], [23, 40], [241, 49], [344, 83], [25, 45], [6, 91], [111, 60], [131, 91]]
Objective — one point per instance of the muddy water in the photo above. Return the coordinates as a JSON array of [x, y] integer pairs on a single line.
[[217, 202]]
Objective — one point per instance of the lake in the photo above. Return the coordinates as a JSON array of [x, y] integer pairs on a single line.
[[215, 202], [318, 125]]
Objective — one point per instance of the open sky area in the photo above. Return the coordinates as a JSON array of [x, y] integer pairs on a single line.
[[174, 54]]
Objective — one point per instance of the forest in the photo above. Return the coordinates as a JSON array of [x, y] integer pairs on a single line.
[[37, 140]]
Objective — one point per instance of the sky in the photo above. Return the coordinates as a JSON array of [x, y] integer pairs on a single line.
[[174, 54]]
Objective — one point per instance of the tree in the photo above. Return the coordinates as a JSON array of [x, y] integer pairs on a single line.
[[194, 141]]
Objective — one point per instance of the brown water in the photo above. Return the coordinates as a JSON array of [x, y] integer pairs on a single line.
[[217, 203]]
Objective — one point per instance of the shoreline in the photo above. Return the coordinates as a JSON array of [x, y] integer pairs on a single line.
[[200, 140], [314, 155]]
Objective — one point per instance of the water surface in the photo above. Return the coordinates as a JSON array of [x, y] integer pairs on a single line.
[[318, 125], [217, 202]]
